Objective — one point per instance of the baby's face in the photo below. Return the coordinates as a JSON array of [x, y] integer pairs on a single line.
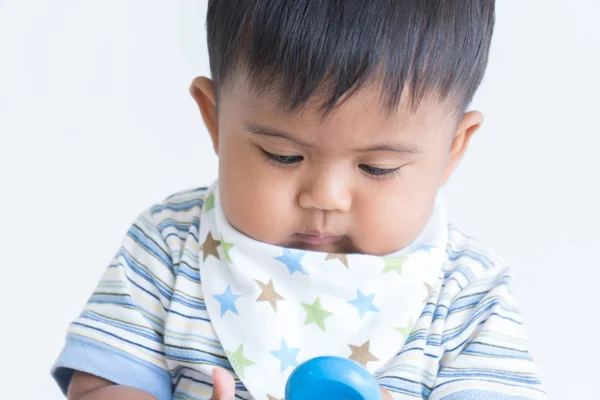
[[357, 182]]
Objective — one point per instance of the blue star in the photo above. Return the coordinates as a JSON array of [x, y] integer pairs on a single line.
[[286, 356], [227, 300], [426, 248], [292, 261], [363, 303]]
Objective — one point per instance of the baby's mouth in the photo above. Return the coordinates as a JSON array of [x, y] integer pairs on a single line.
[[317, 239]]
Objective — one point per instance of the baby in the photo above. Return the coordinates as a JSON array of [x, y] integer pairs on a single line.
[[336, 123]]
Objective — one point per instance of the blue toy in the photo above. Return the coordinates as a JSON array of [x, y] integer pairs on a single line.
[[332, 378]]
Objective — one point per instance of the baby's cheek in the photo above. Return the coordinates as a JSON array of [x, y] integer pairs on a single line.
[[258, 209], [389, 224]]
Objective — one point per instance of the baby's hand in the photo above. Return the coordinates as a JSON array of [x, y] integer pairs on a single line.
[[223, 385], [385, 395]]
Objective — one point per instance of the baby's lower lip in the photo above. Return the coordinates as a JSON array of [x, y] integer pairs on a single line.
[[317, 240]]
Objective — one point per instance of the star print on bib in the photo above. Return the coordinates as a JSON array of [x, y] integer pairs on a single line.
[[274, 308], [293, 261], [269, 294], [343, 258], [363, 303], [316, 314]]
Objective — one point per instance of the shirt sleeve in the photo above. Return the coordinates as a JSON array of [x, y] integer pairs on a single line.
[[485, 352], [119, 334]]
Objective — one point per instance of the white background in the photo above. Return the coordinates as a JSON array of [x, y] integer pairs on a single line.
[[96, 124]]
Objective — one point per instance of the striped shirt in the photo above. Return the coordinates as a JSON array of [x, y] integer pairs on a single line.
[[146, 324]]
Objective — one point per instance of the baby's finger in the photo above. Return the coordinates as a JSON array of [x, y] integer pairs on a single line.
[[385, 395], [223, 385]]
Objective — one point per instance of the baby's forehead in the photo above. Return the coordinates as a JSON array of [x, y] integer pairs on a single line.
[[364, 110], [360, 121]]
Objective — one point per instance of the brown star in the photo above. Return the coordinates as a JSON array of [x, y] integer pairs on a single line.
[[269, 294], [210, 247], [273, 398], [429, 291], [342, 257], [361, 354]]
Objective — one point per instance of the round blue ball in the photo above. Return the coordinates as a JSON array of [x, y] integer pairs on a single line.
[[333, 378]]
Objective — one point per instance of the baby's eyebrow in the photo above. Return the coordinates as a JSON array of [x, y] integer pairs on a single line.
[[393, 147], [266, 131]]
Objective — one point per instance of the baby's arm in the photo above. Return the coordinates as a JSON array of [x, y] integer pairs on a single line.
[[115, 348], [89, 387]]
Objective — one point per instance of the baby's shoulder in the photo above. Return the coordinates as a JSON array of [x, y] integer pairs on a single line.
[[177, 220], [184, 207]]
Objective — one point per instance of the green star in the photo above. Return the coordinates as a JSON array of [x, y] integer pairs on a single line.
[[394, 264], [406, 330], [209, 203], [226, 247], [315, 313], [238, 361]]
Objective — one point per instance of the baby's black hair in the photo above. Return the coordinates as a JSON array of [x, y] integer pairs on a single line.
[[331, 48]]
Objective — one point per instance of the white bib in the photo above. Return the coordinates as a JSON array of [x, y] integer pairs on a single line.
[[274, 308]]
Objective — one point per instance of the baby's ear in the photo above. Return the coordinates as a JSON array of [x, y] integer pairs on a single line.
[[470, 122], [203, 91]]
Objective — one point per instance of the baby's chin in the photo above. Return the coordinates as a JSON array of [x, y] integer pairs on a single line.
[[347, 246]]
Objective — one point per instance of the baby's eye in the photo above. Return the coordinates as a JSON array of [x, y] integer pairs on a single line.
[[378, 172], [283, 159]]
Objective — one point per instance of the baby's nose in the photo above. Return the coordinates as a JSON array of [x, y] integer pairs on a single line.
[[326, 192]]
